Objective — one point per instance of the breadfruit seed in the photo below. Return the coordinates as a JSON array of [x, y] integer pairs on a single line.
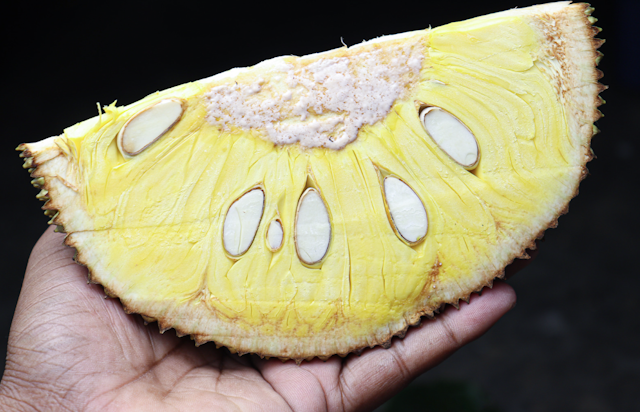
[[241, 222], [149, 125], [407, 211], [451, 135], [275, 235], [313, 228]]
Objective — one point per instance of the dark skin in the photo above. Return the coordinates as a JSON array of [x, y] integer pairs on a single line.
[[71, 349]]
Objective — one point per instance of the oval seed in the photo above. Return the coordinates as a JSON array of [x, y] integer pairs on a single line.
[[451, 135], [408, 214], [148, 125], [242, 221], [275, 235], [313, 228]]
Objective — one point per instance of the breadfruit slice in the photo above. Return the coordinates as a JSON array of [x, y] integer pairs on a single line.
[[312, 206]]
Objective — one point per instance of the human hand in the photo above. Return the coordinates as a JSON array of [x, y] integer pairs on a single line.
[[71, 349]]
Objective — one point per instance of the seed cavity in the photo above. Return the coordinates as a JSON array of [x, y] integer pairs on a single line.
[[148, 125], [408, 215], [451, 135], [275, 235], [313, 228], [242, 221]]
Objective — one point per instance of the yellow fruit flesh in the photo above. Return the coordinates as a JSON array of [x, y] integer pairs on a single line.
[[156, 218]]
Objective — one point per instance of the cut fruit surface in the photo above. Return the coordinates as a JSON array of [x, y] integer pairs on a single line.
[[318, 205]]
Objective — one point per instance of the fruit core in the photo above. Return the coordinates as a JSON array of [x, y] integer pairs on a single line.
[[319, 104]]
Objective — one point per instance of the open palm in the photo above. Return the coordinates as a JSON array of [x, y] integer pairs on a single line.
[[71, 349]]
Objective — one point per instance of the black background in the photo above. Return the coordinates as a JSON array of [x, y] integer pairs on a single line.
[[572, 341]]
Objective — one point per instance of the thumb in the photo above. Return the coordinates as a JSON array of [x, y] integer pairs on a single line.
[[52, 277], [48, 257], [52, 280]]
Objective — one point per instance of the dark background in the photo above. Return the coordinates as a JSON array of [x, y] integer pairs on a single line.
[[571, 343]]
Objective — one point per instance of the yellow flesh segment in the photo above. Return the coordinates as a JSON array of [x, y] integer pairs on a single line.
[[159, 215]]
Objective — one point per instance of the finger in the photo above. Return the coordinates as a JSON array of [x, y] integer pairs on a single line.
[[378, 374], [311, 385]]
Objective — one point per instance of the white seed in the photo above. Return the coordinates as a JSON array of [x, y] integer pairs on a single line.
[[451, 135], [408, 214], [313, 228], [241, 222], [275, 235], [148, 125]]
